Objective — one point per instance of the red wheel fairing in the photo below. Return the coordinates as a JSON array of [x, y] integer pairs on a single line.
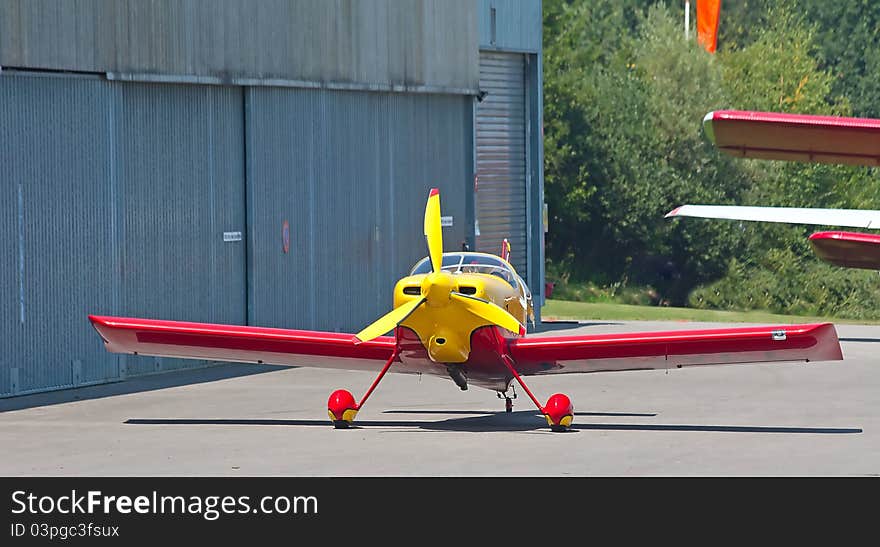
[[559, 411], [341, 406]]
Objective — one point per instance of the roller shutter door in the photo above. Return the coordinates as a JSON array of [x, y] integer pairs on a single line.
[[501, 156]]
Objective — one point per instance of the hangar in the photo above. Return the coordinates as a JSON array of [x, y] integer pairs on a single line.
[[250, 163]]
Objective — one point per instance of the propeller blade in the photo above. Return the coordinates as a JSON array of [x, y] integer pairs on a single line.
[[490, 312], [388, 321], [433, 230]]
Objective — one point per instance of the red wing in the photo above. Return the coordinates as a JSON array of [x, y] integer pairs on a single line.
[[652, 350], [848, 249], [248, 344], [795, 137]]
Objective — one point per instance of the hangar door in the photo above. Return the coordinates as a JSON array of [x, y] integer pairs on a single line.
[[501, 156], [115, 199]]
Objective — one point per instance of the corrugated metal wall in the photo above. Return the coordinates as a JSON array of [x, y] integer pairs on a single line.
[[114, 199], [383, 43], [501, 157], [349, 172], [516, 25]]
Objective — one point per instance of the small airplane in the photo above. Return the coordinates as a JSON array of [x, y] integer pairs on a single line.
[[462, 315], [806, 138]]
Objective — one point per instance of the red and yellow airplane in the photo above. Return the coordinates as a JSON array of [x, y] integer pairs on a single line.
[[802, 138], [462, 315]]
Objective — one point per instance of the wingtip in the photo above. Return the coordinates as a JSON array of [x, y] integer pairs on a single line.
[[673, 212], [356, 341], [708, 119], [97, 319], [434, 192]]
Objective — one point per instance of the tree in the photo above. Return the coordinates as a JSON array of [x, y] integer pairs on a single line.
[[624, 96]]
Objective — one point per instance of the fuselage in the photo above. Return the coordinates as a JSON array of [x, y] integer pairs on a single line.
[[483, 367], [451, 336]]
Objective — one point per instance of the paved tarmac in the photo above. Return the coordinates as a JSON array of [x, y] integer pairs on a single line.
[[792, 419]]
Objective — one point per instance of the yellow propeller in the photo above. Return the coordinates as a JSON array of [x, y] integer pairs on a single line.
[[433, 230], [389, 321], [439, 289], [490, 312]]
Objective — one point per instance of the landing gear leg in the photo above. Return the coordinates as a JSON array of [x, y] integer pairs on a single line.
[[559, 411], [341, 406]]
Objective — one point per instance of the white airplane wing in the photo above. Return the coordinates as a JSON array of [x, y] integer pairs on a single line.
[[855, 218]]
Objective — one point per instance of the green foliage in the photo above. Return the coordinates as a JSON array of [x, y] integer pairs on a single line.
[[783, 284], [623, 99], [846, 40], [618, 152], [847, 36], [777, 72], [619, 292]]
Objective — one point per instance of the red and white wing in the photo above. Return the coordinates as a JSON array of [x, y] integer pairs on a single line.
[[674, 349], [848, 249], [795, 137], [245, 344]]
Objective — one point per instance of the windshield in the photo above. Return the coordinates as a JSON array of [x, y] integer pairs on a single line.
[[469, 263]]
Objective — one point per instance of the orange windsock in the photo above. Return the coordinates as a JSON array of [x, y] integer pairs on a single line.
[[707, 23]]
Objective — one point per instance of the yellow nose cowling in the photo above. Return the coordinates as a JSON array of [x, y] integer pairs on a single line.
[[448, 347]]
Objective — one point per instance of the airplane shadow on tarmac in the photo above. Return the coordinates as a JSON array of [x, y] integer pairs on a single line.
[[138, 384], [524, 420]]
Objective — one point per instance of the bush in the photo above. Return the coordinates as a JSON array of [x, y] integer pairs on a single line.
[[783, 283], [585, 291]]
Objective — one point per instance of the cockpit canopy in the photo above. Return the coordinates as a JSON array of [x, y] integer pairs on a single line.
[[463, 262]]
